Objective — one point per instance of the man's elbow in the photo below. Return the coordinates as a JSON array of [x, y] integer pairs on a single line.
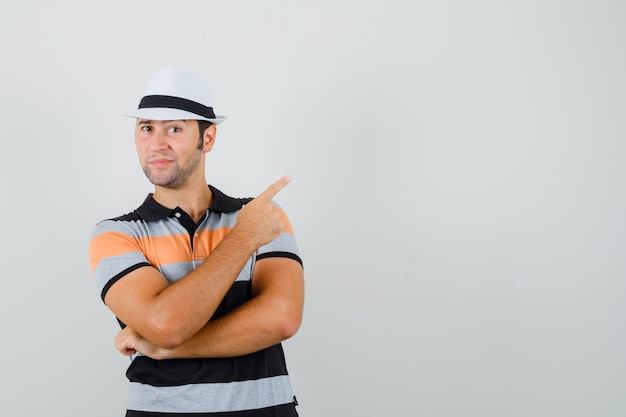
[[167, 333], [170, 341], [290, 328], [290, 323]]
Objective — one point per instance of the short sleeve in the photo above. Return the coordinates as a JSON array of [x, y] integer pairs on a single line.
[[284, 245], [114, 251]]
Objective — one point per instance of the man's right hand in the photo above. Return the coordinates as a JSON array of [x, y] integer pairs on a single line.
[[260, 219]]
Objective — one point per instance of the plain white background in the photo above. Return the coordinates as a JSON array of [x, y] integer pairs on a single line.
[[458, 193]]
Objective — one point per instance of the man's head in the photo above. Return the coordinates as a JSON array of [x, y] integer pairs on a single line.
[[171, 152], [175, 127]]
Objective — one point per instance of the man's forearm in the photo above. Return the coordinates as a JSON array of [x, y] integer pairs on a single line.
[[271, 316], [236, 334], [254, 326]]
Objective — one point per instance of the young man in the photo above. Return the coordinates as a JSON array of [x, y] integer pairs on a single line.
[[205, 286]]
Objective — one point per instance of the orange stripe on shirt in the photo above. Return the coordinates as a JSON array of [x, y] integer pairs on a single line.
[[158, 250], [109, 245], [207, 240], [289, 229]]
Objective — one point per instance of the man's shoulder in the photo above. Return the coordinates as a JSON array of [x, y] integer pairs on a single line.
[[225, 203], [149, 210], [128, 217], [120, 224]]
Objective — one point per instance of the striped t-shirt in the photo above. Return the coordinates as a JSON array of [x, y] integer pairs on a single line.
[[153, 235]]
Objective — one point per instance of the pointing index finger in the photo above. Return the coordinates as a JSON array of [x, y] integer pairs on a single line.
[[273, 189]]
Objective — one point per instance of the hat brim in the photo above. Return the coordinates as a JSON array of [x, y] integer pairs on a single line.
[[159, 113]]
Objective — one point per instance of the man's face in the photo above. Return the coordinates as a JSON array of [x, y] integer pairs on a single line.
[[169, 150]]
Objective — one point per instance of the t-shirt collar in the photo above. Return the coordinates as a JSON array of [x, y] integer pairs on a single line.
[[150, 210]]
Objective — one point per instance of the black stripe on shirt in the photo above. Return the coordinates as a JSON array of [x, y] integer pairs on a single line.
[[266, 363], [119, 276], [278, 254]]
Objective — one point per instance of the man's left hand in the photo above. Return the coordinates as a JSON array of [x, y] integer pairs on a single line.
[[129, 342]]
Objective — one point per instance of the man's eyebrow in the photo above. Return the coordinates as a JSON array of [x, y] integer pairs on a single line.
[[151, 122]]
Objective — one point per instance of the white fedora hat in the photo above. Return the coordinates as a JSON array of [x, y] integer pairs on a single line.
[[177, 94]]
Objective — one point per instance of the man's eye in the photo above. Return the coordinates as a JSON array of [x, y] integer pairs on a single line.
[[145, 128], [174, 129]]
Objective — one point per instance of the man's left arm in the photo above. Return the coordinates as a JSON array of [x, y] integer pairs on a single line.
[[272, 315]]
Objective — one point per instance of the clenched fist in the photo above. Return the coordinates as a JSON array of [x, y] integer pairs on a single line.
[[128, 342]]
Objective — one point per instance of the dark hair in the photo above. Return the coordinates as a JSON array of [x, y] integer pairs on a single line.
[[202, 126]]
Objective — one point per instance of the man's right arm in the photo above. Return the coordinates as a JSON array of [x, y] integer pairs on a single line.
[[168, 315]]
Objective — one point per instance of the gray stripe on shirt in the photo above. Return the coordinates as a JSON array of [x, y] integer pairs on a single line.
[[211, 398]]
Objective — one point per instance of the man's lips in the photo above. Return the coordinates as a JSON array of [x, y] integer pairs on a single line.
[[161, 162]]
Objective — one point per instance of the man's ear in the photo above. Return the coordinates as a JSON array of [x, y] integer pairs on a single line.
[[208, 138]]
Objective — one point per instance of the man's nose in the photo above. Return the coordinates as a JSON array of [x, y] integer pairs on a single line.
[[158, 140]]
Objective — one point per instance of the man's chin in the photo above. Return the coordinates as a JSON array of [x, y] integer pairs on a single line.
[[164, 182]]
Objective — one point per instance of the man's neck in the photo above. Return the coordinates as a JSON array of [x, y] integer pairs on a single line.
[[194, 198]]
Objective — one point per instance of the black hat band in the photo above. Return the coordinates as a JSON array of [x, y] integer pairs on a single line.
[[172, 102]]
